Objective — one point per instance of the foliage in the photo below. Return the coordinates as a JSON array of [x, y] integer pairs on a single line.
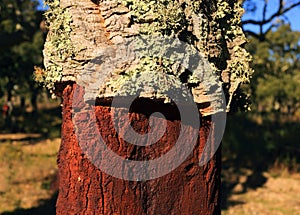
[[259, 146], [276, 86], [269, 132], [18, 21], [21, 47]]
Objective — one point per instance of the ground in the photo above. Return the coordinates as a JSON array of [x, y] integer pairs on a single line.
[[28, 170], [27, 173], [280, 195]]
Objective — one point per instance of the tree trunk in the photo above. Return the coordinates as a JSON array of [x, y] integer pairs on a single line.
[[83, 36], [84, 189]]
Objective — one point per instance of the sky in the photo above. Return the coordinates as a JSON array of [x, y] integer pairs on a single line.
[[41, 6], [293, 15]]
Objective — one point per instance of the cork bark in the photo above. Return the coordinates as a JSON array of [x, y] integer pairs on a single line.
[[84, 189], [80, 31], [89, 27]]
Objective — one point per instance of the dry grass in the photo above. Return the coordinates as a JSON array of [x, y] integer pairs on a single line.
[[280, 195], [26, 171]]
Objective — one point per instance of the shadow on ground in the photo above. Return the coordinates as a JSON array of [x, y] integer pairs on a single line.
[[46, 207]]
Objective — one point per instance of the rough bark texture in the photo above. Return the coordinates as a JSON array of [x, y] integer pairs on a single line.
[[81, 31], [83, 28], [84, 189]]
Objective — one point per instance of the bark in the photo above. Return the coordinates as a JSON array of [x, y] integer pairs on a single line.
[[78, 29], [84, 189]]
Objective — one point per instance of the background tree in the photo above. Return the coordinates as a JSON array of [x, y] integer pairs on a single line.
[[269, 131], [275, 47], [276, 61], [21, 48]]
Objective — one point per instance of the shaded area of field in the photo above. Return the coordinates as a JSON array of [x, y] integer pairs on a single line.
[[44, 123], [254, 155], [45, 207]]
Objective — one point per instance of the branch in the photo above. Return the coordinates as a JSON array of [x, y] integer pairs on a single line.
[[264, 17], [270, 28], [265, 10], [253, 34], [279, 12]]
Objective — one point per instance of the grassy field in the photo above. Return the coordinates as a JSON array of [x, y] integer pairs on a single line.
[[28, 153], [27, 175]]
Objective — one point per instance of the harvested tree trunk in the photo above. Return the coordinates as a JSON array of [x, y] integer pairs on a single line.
[[84, 189], [83, 34]]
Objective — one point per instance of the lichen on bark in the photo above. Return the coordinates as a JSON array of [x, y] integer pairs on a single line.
[[58, 47], [213, 28]]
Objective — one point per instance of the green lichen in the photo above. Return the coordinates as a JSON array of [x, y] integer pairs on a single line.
[[58, 47], [160, 16], [219, 35], [146, 64], [212, 28], [153, 74], [163, 17], [238, 64], [162, 58]]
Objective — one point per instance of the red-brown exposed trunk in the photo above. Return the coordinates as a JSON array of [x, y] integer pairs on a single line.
[[84, 189]]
